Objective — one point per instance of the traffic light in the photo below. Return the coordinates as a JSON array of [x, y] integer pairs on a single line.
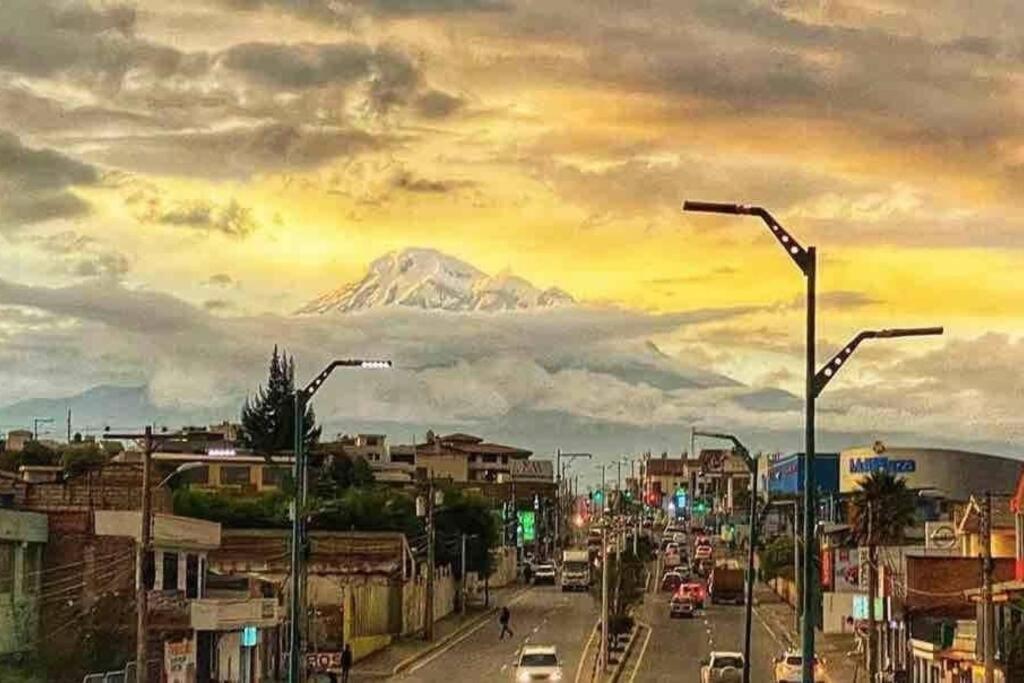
[[629, 495], [599, 497]]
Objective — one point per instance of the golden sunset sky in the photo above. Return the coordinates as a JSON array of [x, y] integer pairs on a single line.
[[244, 156]]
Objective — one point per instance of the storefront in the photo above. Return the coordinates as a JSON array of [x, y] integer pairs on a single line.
[[950, 474]]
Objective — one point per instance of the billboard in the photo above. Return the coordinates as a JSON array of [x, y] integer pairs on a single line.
[[532, 470], [847, 570], [527, 526]]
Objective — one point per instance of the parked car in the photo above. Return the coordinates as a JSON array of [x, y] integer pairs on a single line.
[[789, 668], [703, 552], [537, 662], [681, 608]]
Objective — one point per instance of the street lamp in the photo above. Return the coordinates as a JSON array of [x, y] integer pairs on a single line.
[[806, 260], [751, 464], [302, 398], [559, 476], [184, 467]]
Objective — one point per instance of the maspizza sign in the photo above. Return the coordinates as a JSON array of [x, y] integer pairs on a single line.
[[882, 464]]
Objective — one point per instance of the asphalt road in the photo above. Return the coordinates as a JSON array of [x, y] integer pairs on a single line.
[[542, 616], [676, 646]]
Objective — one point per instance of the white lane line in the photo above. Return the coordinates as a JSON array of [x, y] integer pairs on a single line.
[[419, 665], [583, 655], [643, 651]]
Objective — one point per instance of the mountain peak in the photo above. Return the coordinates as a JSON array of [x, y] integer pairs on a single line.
[[427, 278]]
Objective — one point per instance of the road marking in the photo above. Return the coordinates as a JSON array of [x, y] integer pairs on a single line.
[[583, 655], [444, 650], [643, 650]]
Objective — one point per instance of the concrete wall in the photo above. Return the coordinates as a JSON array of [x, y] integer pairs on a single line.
[[413, 598], [503, 563]]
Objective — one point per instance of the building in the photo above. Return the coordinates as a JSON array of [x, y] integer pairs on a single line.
[[466, 458], [722, 475], [945, 474], [23, 536], [17, 438], [664, 476], [785, 474]]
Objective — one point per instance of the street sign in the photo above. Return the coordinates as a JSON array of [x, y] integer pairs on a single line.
[[249, 636]]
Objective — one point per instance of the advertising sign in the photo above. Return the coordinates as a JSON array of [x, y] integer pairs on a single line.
[[939, 535], [860, 608], [527, 526], [847, 570], [323, 661], [179, 661], [532, 470]]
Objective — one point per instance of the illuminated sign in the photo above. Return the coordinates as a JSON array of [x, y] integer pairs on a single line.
[[249, 636], [527, 526], [882, 464]]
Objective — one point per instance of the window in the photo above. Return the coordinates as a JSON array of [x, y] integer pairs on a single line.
[[33, 563], [149, 570], [6, 567], [170, 571], [191, 576], [200, 475], [490, 458], [504, 460], [234, 475], [273, 476]]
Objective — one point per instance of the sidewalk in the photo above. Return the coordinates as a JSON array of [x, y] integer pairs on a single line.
[[834, 648], [402, 653]]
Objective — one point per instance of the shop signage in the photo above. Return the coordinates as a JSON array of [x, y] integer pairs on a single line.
[[179, 661], [882, 464], [323, 661], [939, 535]]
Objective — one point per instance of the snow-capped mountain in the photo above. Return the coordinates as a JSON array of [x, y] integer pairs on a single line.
[[427, 278]]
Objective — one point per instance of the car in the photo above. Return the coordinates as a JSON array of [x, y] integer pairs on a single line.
[[544, 572], [679, 537], [682, 608], [695, 591], [537, 663], [722, 667], [703, 552], [789, 668], [671, 582]]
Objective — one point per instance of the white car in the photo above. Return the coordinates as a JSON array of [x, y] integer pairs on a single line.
[[789, 668], [722, 667], [544, 573], [537, 663]]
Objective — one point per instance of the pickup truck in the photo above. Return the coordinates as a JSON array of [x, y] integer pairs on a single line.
[[722, 667]]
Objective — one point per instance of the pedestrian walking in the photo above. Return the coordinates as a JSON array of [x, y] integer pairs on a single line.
[[346, 662], [505, 617]]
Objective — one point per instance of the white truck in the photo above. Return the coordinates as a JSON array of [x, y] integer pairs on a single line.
[[575, 570]]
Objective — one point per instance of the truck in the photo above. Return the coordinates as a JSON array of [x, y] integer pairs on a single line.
[[575, 570], [726, 584]]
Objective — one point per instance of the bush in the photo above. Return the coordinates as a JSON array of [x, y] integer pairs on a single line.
[[234, 511], [79, 458], [777, 559]]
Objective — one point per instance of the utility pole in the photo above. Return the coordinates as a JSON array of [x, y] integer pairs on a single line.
[[465, 593], [428, 607], [141, 608], [872, 591], [69, 425], [604, 598], [990, 621]]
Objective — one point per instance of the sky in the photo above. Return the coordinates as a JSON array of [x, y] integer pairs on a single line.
[[177, 179]]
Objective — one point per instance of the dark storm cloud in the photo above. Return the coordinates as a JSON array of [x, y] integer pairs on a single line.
[[34, 183], [231, 219], [238, 152], [435, 104], [301, 66]]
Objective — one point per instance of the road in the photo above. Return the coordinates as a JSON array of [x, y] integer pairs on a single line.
[[542, 616], [676, 646]]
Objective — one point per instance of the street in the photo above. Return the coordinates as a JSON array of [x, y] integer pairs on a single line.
[[543, 615]]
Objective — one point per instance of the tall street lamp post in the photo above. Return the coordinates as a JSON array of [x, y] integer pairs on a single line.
[[748, 603], [559, 478], [814, 381], [302, 398]]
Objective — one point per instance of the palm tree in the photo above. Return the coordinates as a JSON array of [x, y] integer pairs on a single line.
[[883, 507]]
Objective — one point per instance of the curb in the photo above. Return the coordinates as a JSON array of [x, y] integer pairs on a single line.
[[617, 671], [438, 644]]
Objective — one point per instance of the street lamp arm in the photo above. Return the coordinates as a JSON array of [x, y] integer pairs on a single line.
[[318, 381], [737, 445], [831, 368], [800, 255]]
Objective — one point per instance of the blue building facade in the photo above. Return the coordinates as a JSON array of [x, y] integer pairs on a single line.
[[785, 475]]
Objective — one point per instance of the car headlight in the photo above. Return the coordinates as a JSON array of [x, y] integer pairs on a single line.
[[556, 675], [523, 677]]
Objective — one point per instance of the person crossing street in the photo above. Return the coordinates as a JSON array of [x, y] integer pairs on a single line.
[[505, 617]]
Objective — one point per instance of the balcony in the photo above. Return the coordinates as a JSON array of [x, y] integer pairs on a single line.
[[168, 610]]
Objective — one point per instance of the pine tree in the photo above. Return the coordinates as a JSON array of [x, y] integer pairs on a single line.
[[268, 418]]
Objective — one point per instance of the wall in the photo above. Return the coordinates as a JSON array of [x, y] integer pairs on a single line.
[[116, 486], [503, 563], [22, 535], [413, 599], [836, 607]]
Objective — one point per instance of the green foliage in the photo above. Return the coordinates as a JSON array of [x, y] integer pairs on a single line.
[[81, 457], [33, 453], [234, 511], [339, 471], [471, 514], [777, 559], [1013, 646], [268, 418], [367, 509], [891, 505], [626, 581]]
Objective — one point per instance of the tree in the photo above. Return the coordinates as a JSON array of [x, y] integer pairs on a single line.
[[883, 508], [470, 514], [268, 417], [777, 559], [33, 453]]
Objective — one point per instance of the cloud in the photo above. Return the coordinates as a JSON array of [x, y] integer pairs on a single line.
[[302, 66], [231, 219], [35, 183], [435, 104], [220, 280], [404, 180]]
